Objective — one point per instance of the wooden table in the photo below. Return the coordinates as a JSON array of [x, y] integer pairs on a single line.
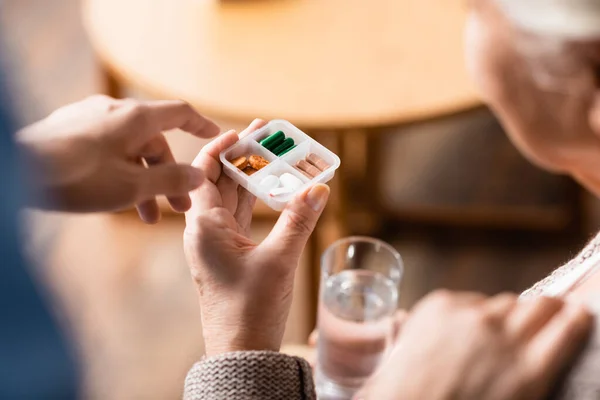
[[347, 67], [321, 64]]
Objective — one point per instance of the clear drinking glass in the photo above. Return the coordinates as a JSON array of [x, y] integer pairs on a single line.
[[360, 277]]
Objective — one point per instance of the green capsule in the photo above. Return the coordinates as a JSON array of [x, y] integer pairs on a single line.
[[272, 141], [287, 151], [285, 145]]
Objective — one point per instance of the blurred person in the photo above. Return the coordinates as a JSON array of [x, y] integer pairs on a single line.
[[537, 65], [99, 154], [31, 347], [513, 350]]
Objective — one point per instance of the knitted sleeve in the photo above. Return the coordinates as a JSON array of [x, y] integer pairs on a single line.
[[250, 375]]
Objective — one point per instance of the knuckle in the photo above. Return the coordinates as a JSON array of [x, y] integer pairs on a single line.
[[137, 114], [437, 301], [546, 304], [579, 320], [298, 223], [101, 102], [100, 98], [212, 218], [507, 296], [479, 318], [183, 105], [440, 298]]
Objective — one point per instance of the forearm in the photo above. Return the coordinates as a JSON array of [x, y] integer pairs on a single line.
[[250, 375], [52, 170]]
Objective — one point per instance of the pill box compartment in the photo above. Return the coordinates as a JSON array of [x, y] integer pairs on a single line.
[[277, 165], [243, 148], [277, 169], [312, 147], [289, 130]]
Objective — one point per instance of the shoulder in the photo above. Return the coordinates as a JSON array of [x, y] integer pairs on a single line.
[[583, 262]]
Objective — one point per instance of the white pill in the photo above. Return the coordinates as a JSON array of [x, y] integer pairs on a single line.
[[270, 182], [290, 181], [280, 191]]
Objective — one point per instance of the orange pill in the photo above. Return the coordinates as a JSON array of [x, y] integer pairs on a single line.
[[249, 171], [240, 162], [257, 162]]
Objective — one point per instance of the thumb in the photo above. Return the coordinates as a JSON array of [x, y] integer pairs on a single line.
[[297, 222], [169, 180]]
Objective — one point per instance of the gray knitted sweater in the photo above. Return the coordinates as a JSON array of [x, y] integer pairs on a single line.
[[250, 375]]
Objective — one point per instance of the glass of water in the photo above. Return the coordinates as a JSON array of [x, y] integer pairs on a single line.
[[358, 297]]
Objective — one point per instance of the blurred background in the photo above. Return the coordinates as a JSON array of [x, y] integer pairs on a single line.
[[424, 165]]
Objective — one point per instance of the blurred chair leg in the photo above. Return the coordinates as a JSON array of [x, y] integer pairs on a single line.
[[374, 216], [360, 177], [333, 224]]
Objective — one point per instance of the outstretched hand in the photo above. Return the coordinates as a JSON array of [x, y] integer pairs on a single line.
[[103, 154]]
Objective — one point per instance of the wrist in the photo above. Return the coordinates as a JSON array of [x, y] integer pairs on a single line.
[[231, 339], [37, 171], [226, 330]]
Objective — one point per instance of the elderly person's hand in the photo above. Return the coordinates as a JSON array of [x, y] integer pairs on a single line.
[[539, 75], [102, 154], [464, 346], [245, 289]]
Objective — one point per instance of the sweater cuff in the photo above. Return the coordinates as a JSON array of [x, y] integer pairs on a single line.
[[249, 375]]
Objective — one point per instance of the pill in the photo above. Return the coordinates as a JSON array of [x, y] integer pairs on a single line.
[[303, 173], [257, 162], [287, 151], [317, 161], [249, 171], [270, 182], [290, 181], [240, 162], [279, 191], [285, 145], [271, 142], [308, 168]]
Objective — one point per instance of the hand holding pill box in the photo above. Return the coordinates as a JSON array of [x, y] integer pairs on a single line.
[[278, 161]]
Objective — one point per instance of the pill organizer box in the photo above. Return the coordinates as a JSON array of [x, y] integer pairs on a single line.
[[278, 165]]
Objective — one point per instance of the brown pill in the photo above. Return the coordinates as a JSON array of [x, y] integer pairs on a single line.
[[317, 161], [303, 173], [308, 168], [257, 162], [240, 162], [249, 171]]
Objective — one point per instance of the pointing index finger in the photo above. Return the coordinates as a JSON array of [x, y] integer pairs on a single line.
[[177, 114]]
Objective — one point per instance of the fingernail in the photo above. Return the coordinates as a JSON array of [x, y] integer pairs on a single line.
[[196, 177], [317, 197]]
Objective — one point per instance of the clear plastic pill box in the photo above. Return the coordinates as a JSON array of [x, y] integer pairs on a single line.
[[286, 163]]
